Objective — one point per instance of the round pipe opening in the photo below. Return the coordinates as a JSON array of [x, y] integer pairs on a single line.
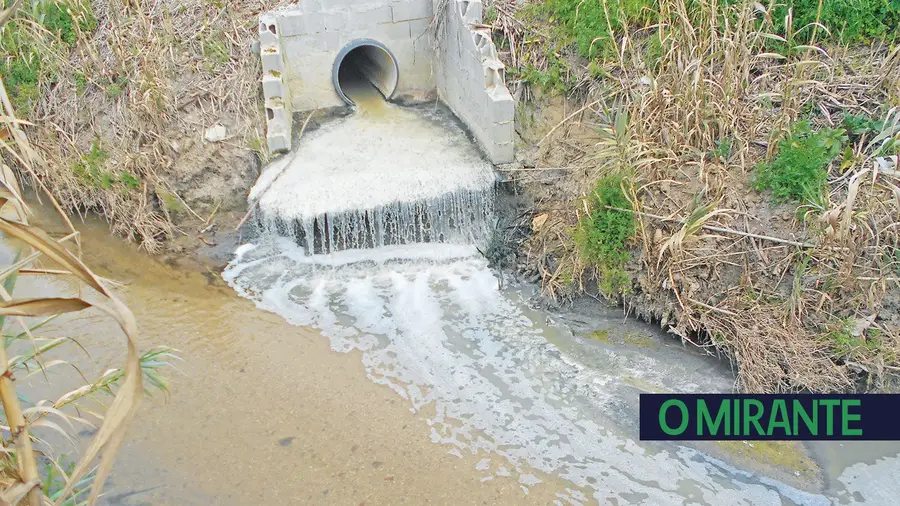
[[365, 63]]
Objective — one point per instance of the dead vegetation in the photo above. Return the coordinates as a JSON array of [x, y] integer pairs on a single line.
[[794, 280], [121, 112], [31, 471]]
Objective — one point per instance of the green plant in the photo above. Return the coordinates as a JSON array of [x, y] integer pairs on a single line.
[[171, 202], [602, 236], [66, 18], [846, 21], [799, 170], [52, 25], [216, 51], [846, 340], [81, 81], [593, 24], [116, 88], [557, 78]]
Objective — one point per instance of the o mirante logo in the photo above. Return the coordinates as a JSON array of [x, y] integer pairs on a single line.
[[769, 417]]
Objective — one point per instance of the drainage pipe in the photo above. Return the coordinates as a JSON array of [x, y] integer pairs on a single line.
[[369, 60]]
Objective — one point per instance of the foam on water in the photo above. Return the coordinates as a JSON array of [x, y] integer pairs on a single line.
[[370, 160], [432, 325]]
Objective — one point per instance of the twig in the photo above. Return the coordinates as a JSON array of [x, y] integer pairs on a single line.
[[713, 308], [723, 230], [567, 118]]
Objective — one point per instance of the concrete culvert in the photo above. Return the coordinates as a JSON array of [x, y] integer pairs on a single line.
[[365, 63]]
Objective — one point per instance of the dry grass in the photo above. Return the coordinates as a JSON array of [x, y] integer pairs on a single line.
[[30, 473], [144, 87], [770, 285]]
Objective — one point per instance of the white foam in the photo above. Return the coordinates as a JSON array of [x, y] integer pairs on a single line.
[[368, 161], [432, 325]]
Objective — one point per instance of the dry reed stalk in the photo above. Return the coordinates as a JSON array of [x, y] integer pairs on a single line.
[[111, 433]]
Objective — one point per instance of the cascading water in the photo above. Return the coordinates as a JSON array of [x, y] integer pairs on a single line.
[[369, 233]]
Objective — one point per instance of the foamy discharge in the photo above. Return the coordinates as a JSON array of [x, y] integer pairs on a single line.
[[433, 326], [371, 160]]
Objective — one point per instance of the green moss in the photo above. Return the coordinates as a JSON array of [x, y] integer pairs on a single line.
[[116, 88], [602, 236], [785, 455], [600, 335], [558, 78], [215, 51], [799, 170], [171, 202], [62, 18], [844, 344], [640, 340], [81, 81]]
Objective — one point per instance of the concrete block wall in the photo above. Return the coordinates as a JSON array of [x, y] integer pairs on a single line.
[[470, 79], [312, 32], [299, 45], [279, 117]]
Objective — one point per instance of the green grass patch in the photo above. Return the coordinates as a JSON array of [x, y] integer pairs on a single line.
[[90, 170], [799, 172], [840, 337], [847, 21], [23, 64], [602, 236], [557, 78], [587, 23]]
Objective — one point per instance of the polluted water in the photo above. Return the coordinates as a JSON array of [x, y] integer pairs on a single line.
[[370, 232]]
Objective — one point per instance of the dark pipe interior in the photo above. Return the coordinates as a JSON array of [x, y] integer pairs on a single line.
[[364, 70]]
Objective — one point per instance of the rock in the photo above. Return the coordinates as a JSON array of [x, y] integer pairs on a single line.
[[786, 216], [538, 222], [216, 133]]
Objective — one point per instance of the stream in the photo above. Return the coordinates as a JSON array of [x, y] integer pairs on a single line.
[[354, 352]]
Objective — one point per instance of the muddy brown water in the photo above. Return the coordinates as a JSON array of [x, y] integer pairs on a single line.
[[265, 412]]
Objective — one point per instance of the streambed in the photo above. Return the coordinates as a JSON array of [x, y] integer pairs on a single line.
[[453, 392]]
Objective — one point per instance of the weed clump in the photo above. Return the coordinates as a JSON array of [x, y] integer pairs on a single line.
[[602, 236], [90, 170], [592, 24], [846, 22], [799, 171], [23, 42]]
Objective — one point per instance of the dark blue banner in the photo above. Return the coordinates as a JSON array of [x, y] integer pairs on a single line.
[[802, 417]]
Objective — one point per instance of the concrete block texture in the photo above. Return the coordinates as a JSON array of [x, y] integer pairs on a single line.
[[369, 16], [311, 5], [393, 31], [277, 114], [503, 133], [273, 87], [418, 28], [278, 142], [301, 23], [470, 80], [406, 10], [272, 60], [267, 39], [335, 21]]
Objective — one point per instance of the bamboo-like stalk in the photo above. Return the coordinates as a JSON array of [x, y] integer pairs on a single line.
[[25, 460], [24, 452]]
